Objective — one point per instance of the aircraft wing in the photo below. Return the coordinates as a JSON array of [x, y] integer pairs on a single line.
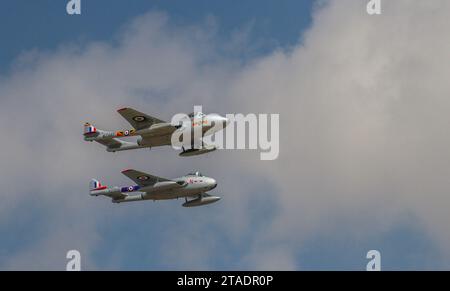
[[138, 119], [110, 142], [143, 179], [116, 196]]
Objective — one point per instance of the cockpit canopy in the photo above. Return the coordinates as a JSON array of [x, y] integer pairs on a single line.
[[198, 174], [197, 114]]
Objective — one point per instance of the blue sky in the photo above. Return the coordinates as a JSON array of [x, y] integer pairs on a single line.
[[44, 24], [320, 210]]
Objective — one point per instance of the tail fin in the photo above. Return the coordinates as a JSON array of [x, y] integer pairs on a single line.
[[92, 133], [89, 129], [95, 185]]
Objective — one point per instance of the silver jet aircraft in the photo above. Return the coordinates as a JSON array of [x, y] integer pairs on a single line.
[[153, 132], [151, 187]]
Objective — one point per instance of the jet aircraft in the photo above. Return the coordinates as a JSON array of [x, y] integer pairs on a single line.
[[154, 132], [193, 186]]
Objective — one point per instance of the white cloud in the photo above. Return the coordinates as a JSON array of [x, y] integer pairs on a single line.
[[363, 103]]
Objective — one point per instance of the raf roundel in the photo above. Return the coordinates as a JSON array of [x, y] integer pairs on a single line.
[[139, 118], [131, 188]]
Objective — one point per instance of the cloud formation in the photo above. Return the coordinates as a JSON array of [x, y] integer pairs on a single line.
[[363, 113]]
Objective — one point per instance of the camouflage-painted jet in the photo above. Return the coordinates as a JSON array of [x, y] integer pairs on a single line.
[[153, 132], [152, 187]]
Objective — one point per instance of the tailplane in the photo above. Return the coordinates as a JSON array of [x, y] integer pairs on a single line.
[[96, 189], [95, 186], [92, 133]]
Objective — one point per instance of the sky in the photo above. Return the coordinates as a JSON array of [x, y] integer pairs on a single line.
[[44, 24], [363, 162]]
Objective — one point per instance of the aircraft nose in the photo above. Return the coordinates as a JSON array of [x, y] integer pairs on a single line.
[[213, 183], [225, 121]]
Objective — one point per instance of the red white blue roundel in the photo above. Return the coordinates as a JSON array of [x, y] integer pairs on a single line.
[[139, 118], [129, 188], [126, 132]]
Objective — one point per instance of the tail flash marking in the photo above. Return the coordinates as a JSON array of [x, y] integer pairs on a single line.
[[96, 185], [89, 128]]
